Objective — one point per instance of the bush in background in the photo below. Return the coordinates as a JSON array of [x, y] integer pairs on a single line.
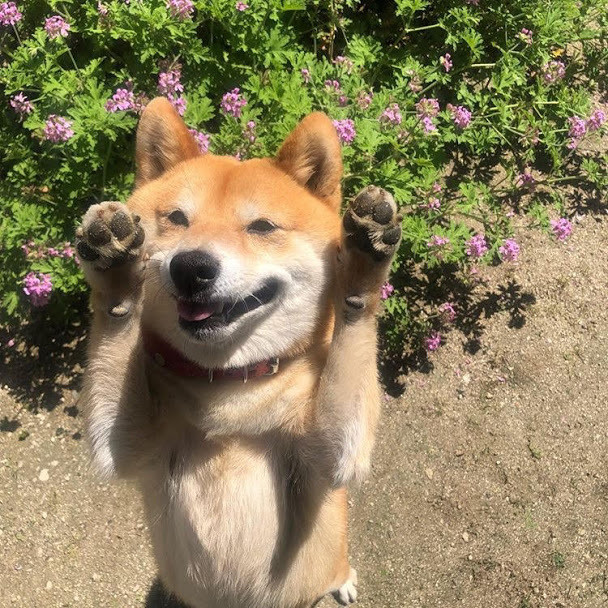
[[467, 111]]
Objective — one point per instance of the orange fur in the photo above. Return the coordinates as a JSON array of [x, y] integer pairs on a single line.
[[243, 483]]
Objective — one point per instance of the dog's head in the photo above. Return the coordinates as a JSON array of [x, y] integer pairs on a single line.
[[242, 254]]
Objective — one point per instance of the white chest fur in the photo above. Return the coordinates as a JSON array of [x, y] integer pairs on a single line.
[[214, 515]]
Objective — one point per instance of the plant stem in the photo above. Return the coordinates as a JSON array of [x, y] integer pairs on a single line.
[[422, 28], [16, 33]]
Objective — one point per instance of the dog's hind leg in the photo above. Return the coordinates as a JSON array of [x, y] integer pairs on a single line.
[[349, 393]]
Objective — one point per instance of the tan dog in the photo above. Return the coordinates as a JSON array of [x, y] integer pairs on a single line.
[[232, 367]]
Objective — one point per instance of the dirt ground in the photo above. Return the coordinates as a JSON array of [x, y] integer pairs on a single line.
[[490, 479]]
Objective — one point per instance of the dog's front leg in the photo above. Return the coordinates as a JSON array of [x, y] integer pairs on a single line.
[[349, 393], [115, 395]]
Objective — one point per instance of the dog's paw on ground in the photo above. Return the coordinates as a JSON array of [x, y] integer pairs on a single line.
[[110, 235], [347, 593], [372, 224]]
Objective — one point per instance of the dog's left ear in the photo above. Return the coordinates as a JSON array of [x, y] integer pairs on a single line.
[[162, 141], [312, 155]]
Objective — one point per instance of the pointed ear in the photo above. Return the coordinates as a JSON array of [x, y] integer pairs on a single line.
[[162, 141], [312, 155]]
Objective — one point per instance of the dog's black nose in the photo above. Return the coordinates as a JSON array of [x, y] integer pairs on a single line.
[[193, 271]]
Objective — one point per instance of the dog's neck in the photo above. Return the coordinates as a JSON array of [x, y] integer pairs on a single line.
[[168, 357]]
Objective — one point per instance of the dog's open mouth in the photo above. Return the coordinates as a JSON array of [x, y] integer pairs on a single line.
[[204, 315]]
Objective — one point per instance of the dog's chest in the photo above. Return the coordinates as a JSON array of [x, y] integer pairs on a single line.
[[214, 509]]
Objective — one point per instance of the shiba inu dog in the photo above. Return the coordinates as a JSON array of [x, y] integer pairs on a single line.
[[232, 364]]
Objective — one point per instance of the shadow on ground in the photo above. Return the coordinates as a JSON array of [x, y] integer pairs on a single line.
[[41, 363], [474, 301], [158, 597]]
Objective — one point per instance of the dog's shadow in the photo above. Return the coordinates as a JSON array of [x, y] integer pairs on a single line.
[[159, 597]]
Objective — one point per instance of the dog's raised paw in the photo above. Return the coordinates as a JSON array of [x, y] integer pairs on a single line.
[[372, 224], [347, 593], [109, 236]]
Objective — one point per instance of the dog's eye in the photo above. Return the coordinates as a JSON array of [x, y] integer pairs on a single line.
[[261, 227], [178, 218]]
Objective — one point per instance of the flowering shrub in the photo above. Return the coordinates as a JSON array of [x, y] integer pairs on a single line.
[[465, 111]]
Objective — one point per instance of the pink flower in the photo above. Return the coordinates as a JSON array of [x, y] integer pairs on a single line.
[[525, 35], [427, 107], [391, 115], [182, 9], [241, 6], [56, 27], [553, 71], [332, 85], [386, 290], [345, 129], [596, 120], [9, 14], [102, 9], [121, 101], [57, 128], [460, 115], [436, 187], [178, 102], [446, 62], [202, 140], [37, 287], [345, 62], [428, 124], [26, 247], [169, 82], [364, 99], [509, 251], [249, 132], [233, 103], [434, 203], [305, 75], [477, 246], [67, 252], [562, 228], [526, 179], [447, 310], [438, 241], [11, 343], [578, 129], [433, 341], [21, 104]]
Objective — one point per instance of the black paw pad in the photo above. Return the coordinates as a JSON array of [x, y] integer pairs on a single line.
[[121, 225], [98, 234], [364, 203], [383, 212], [392, 235], [139, 237], [86, 252], [372, 224]]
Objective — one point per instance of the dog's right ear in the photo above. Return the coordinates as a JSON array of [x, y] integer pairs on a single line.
[[162, 141]]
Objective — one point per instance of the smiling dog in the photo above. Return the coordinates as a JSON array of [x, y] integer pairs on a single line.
[[232, 361]]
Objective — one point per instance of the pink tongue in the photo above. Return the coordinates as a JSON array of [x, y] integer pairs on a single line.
[[190, 311]]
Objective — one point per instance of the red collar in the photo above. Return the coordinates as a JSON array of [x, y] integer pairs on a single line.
[[170, 358]]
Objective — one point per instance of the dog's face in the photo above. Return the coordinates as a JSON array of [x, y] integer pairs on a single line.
[[241, 253]]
